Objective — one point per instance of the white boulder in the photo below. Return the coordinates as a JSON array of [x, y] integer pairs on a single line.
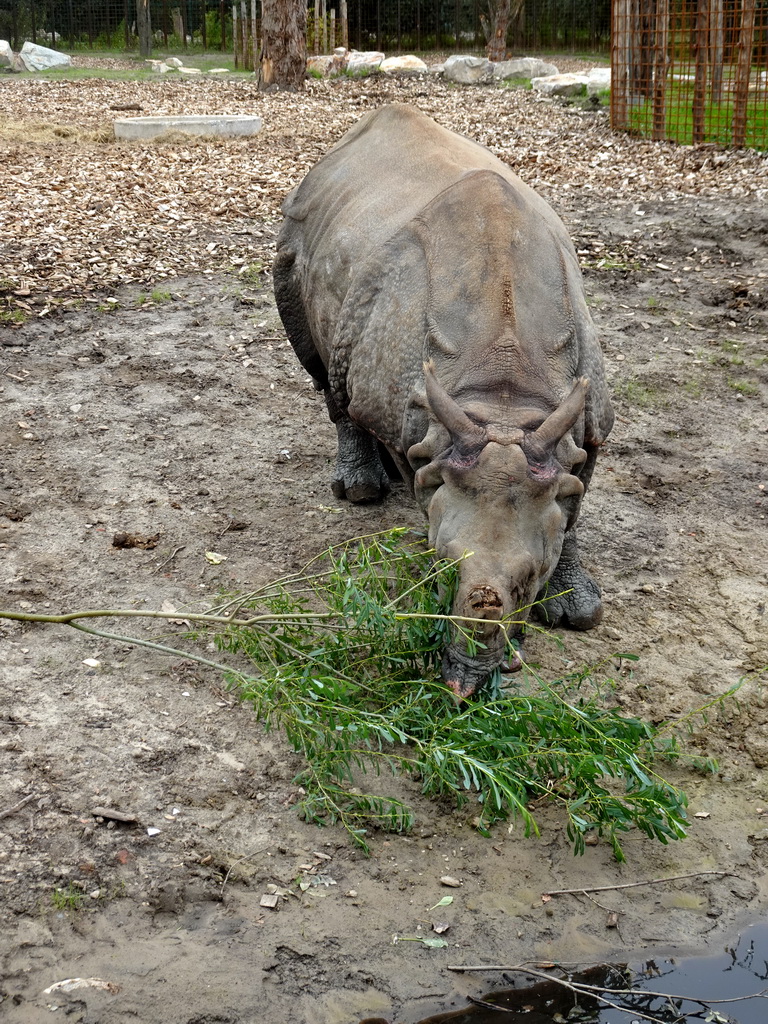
[[39, 58], [174, 62], [363, 62], [6, 54], [405, 62], [468, 70], [523, 67], [598, 80], [560, 85]]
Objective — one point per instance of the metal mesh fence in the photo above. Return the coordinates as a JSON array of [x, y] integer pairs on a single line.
[[389, 25], [693, 71]]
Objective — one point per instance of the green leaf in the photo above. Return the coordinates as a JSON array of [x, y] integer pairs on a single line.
[[446, 901]]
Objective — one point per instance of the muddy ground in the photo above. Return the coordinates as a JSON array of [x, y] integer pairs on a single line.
[[184, 417]]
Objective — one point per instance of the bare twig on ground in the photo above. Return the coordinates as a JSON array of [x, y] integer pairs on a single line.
[[631, 885], [170, 558], [17, 806]]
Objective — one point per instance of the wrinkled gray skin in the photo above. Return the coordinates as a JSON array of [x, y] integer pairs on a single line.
[[437, 302]]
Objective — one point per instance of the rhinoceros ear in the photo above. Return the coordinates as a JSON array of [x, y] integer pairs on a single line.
[[468, 438]]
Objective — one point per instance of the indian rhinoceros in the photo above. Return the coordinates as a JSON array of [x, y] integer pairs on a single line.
[[437, 302]]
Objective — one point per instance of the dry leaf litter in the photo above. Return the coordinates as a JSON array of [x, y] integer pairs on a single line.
[[83, 213]]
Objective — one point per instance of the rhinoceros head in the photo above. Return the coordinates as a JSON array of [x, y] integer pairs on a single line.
[[506, 498]]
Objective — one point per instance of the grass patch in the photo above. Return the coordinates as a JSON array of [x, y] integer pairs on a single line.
[[718, 119], [68, 899], [351, 673], [636, 393], [12, 317], [517, 82], [743, 387]]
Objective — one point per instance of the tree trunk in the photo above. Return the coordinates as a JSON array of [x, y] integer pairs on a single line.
[[283, 44], [144, 28], [496, 28]]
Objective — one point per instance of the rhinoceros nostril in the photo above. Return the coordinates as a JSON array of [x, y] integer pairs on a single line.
[[486, 603]]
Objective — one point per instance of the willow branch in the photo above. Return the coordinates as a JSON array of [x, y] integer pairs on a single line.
[[630, 885]]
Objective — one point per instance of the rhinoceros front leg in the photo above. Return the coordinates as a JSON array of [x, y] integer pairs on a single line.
[[571, 597], [360, 476]]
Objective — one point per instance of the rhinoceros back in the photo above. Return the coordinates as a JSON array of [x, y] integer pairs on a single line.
[[408, 242]]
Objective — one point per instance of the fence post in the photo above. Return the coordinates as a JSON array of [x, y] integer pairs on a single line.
[[235, 36], [660, 65], [344, 24], [254, 37], [244, 40], [621, 63], [701, 49], [716, 50], [744, 61]]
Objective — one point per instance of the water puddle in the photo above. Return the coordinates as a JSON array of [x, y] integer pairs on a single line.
[[659, 986]]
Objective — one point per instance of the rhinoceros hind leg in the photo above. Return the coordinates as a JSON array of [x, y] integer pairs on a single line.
[[571, 597], [360, 477]]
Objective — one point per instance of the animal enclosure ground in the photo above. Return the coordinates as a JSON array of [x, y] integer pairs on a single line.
[[147, 389]]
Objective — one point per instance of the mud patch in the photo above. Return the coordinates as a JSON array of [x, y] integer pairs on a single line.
[[188, 419]]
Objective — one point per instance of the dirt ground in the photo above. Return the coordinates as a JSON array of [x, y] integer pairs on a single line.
[[178, 412]]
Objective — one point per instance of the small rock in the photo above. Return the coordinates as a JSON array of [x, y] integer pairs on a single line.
[[452, 883], [647, 588]]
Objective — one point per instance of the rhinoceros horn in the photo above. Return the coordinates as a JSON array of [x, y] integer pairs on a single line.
[[559, 422], [468, 438]]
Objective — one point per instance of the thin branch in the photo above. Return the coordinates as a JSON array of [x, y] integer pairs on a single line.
[[630, 885], [17, 807], [67, 618], [162, 648], [595, 990], [175, 551]]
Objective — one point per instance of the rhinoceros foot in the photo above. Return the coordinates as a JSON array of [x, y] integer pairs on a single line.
[[571, 597], [360, 476], [580, 608], [360, 491]]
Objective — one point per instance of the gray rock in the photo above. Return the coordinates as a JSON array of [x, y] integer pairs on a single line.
[[39, 58], [467, 70], [560, 85], [523, 67], [6, 54]]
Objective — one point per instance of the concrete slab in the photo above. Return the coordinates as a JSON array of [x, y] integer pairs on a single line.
[[192, 124]]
